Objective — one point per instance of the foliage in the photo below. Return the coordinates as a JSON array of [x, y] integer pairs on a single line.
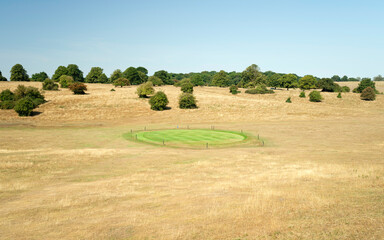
[[288, 81], [96, 75], [259, 89], [61, 70], [2, 78], [307, 82], [7, 95], [315, 96], [8, 104], [24, 106], [39, 77], [328, 85], [302, 94], [252, 76], [197, 80], [142, 70], [49, 84], [143, 76], [29, 92], [18, 73], [164, 76], [115, 75], [336, 78], [339, 95], [155, 81], [187, 101], [345, 89], [182, 81], [74, 71], [220, 79], [365, 82], [368, 94], [273, 80], [158, 101], [133, 76], [376, 79], [233, 89], [288, 100], [113, 90], [65, 81], [145, 89], [121, 82], [187, 87], [78, 88]]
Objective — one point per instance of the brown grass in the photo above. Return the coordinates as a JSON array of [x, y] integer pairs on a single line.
[[67, 173]]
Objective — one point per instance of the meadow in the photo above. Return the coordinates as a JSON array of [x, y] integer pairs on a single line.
[[68, 172]]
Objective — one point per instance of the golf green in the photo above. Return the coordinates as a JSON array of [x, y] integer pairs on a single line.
[[192, 137]]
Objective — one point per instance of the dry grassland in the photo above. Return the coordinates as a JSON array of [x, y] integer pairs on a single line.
[[67, 173]]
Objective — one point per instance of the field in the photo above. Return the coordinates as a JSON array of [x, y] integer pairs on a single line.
[[69, 173]]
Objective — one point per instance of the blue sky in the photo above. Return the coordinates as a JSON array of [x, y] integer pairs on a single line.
[[322, 38]]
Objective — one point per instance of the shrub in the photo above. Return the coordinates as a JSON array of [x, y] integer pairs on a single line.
[[65, 81], [155, 81], [187, 87], [158, 101], [31, 92], [233, 89], [182, 81], [78, 88], [24, 106], [339, 95], [7, 104], [187, 101], [302, 94], [7, 95], [368, 94], [145, 89], [315, 96], [366, 82], [121, 82], [112, 90], [49, 84], [328, 85], [345, 89], [260, 89], [288, 100]]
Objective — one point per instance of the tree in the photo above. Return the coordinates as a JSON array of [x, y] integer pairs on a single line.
[[158, 101], [233, 89], [288, 81], [365, 82], [39, 77], [78, 88], [96, 75], [50, 85], [143, 70], [18, 73], [220, 79], [143, 76], [2, 78], [65, 81], [368, 94], [187, 87], [155, 81], [24, 106], [344, 79], [197, 80], [336, 78], [61, 70], [145, 89], [327, 85], [133, 76], [376, 79], [115, 75], [164, 76], [187, 101], [251, 76], [307, 82], [315, 96], [74, 71], [121, 82], [273, 80]]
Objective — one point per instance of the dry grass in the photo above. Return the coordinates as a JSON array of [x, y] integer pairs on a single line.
[[67, 173]]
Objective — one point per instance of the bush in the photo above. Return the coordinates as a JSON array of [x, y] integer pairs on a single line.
[[155, 81], [65, 81], [339, 95], [29, 92], [7, 104], [182, 81], [78, 88], [345, 89], [302, 94], [49, 84], [315, 96], [260, 89], [187, 87], [368, 94], [158, 101], [328, 85], [187, 101], [121, 82], [112, 90], [233, 89], [24, 106], [7, 95], [288, 100], [145, 89], [366, 82]]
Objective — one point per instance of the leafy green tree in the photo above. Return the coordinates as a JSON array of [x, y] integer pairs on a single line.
[[164, 76], [197, 80], [274, 80], [121, 82], [376, 79], [187, 101], [252, 76], [365, 82], [61, 70], [18, 73], [115, 75], [307, 82], [2, 78], [24, 106], [155, 81], [220, 79], [143, 70], [143, 76], [158, 101], [328, 85], [187, 87], [145, 89], [336, 78], [50, 85], [74, 71], [133, 76], [344, 79], [96, 75], [368, 94], [234, 78], [315, 96], [39, 77], [65, 81], [288, 81]]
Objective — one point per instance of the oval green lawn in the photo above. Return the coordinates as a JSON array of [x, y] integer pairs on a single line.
[[191, 137]]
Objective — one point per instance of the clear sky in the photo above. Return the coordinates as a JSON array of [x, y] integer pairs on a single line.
[[322, 38]]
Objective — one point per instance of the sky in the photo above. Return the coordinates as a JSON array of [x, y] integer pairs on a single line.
[[321, 38]]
